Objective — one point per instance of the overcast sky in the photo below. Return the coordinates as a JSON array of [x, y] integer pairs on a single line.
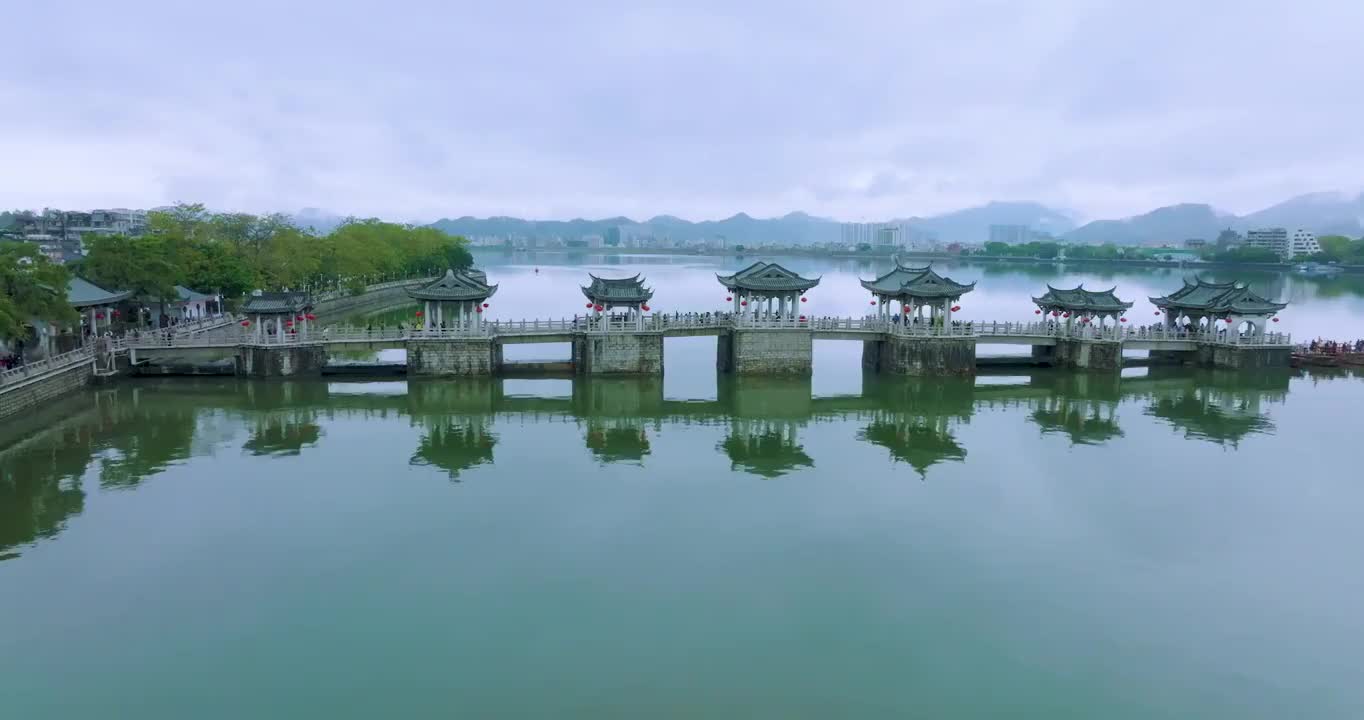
[[414, 111]]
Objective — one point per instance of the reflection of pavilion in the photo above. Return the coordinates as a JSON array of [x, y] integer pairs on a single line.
[[617, 439], [1086, 421], [769, 448], [455, 444], [1223, 414], [283, 432], [920, 441]]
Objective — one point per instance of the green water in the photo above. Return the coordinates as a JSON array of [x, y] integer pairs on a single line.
[[1169, 544]]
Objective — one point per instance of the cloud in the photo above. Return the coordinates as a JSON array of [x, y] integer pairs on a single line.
[[700, 109]]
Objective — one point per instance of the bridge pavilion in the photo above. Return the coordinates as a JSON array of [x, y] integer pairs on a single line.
[[918, 290], [766, 290], [607, 294], [1078, 303], [280, 308], [456, 300], [1203, 303]]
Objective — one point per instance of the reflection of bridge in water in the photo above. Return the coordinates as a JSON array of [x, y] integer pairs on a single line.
[[135, 431]]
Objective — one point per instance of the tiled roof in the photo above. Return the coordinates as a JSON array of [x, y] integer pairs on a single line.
[[83, 293], [919, 282], [1217, 299], [277, 303], [457, 286], [1078, 299], [767, 277], [618, 291]]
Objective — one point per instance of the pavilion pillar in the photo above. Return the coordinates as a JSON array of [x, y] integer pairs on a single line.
[[94, 324]]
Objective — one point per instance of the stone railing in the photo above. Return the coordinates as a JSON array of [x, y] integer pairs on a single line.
[[47, 365], [681, 321]]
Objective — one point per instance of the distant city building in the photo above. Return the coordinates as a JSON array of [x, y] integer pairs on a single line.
[[1195, 243], [1304, 242], [920, 239], [1282, 243], [614, 236], [1011, 234], [1229, 238], [885, 235], [594, 241], [1273, 239], [62, 234]]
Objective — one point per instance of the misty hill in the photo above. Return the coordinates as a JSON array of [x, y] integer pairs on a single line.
[[1175, 223], [1325, 213], [1322, 213], [740, 229], [970, 226]]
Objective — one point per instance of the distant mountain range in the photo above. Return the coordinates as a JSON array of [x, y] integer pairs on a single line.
[[1322, 213]]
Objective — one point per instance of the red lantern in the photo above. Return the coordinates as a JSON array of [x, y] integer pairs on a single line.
[[906, 310], [1056, 313], [1228, 320], [956, 308], [1157, 312], [1274, 319], [1036, 312], [802, 318], [589, 306], [1065, 315], [115, 313], [485, 304], [310, 316], [419, 313], [1122, 319], [478, 309], [246, 323], [99, 316], [645, 308], [873, 302], [729, 298], [599, 308], [744, 303], [804, 299]]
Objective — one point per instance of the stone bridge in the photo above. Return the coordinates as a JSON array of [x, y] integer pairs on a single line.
[[745, 346]]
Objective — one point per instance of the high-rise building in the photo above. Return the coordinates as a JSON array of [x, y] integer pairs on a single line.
[[881, 235], [1011, 234]]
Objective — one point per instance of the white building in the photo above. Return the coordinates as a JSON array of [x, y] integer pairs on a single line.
[[1303, 243], [876, 234], [1286, 246]]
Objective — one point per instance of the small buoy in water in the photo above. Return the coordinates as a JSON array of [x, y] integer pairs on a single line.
[[537, 271]]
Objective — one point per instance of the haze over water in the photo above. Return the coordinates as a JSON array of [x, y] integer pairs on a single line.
[[1169, 544]]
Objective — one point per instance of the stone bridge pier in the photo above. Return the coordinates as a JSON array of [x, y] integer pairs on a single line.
[[465, 356], [621, 353], [765, 352], [920, 355], [255, 361]]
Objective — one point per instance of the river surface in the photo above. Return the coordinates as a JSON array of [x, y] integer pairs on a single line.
[[1166, 544]]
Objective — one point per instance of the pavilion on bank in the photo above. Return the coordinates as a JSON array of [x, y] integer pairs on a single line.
[[766, 290], [1202, 304], [919, 290], [455, 300]]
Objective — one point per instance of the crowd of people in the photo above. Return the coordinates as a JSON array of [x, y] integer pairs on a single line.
[[1336, 347], [9, 361]]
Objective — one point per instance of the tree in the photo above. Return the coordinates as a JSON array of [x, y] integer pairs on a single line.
[[31, 287], [139, 264]]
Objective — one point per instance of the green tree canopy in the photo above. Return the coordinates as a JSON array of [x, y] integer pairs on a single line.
[[31, 287]]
